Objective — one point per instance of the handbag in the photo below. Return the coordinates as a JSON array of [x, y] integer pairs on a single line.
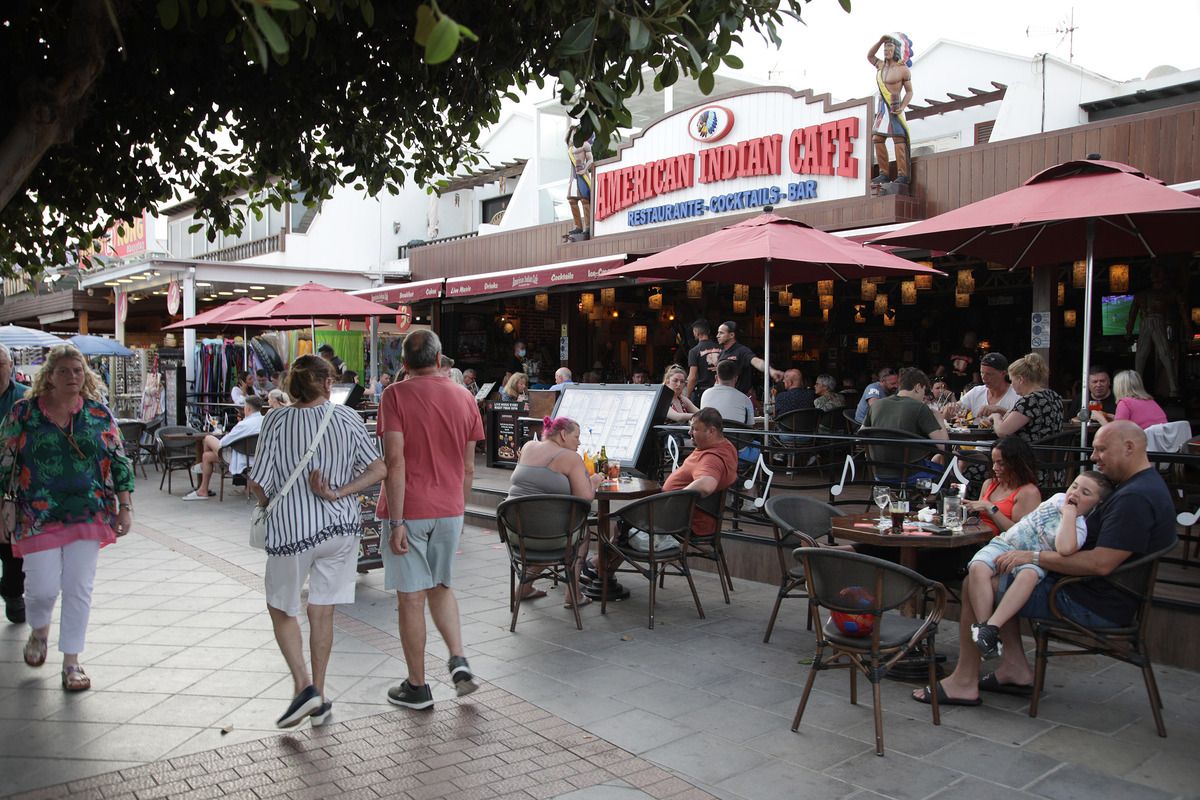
[[8, 505], [260, 514]]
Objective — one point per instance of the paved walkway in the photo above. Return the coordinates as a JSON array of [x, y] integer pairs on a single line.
[[188, 682]]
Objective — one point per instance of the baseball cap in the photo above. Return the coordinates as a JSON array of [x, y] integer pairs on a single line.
[[994, 360]]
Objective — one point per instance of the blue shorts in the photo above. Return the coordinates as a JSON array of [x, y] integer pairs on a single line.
[[993, 550], [1038, 605], [583, 187]]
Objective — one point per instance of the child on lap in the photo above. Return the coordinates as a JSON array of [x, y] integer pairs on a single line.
[[1057, 524]]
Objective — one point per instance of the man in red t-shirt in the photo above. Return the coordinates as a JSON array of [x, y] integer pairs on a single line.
[[429, 427], [711, 467]]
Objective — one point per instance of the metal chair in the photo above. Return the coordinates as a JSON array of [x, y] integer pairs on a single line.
[[896, 464], [881, 586], [795, 521], [709, 547], [131, 435], [176, 454], [669, 514], [542, 534], [247, 447], [1135, 579]]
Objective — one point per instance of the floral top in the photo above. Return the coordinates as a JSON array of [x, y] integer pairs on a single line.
[[1044, 408], [54, 484]]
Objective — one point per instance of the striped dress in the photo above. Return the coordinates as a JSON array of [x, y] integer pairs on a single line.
[[303, 520]]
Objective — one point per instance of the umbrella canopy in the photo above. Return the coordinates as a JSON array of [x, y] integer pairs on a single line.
[[214, 316], [312, 300], [1077, 210], [1046, 220], [15, 336], [772, 249], [99, 346]]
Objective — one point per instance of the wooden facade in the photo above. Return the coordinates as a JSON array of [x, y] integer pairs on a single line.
[[1164, 144]]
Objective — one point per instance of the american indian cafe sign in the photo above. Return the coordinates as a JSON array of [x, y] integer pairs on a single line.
[[735, 154]]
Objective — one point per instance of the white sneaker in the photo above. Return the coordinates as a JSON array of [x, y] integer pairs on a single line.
[[195, 495], [197, 469]]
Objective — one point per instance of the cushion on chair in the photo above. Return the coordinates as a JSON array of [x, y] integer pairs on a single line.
[[895, 631]]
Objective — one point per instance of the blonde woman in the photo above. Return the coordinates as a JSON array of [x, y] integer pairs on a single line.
[[516, 387], [1134, 403], [277, 398], [74, 486], [1038, 412], [682, 409]]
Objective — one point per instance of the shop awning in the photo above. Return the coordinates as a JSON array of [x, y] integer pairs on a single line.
[[535, 279], [415, 292]]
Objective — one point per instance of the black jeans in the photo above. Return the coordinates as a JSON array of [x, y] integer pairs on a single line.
[[12, 580]]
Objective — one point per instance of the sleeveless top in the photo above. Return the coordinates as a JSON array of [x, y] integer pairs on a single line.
[[1005, 505], [527, 480]]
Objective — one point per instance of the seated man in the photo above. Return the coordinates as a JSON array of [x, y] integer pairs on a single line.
[[795, 395], [725, 399], [906, 411], [1137, 519], [710, 468], [250, 425]]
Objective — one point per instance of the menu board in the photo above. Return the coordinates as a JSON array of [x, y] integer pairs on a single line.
[[368, 547], [504, 444], [617, 417]]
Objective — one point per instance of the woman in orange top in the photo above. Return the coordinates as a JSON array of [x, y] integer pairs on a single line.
[[1012, 491]]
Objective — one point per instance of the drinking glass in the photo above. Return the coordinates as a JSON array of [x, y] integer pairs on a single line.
[[883, 499], [614, 470]]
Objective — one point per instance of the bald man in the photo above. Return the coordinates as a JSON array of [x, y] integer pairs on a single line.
[[1138, 518], [795, 394]]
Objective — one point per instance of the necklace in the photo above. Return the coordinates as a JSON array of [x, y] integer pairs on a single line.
[[68, 432]]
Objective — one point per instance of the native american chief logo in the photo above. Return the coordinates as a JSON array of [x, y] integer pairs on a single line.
[[710, 124]]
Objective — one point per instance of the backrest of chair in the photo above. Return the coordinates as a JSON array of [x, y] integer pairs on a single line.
[[1052, 466], [666, 513], [889, 462], [131, 432], [553, 520], [852, 424], [175, 446], [713, 505], [1136, 578], [832, 421], [794, 514], [801, 420], [247, 446], [874, 585]]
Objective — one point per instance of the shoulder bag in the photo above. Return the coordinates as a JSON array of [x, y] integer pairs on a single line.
[[8, 505], [260, 514]]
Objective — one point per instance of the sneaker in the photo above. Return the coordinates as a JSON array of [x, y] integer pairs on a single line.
[[987, 639], [409, 696], [14, 609], [460, 673], [303, 705], [880, 180], [195, 495], [322, 714]]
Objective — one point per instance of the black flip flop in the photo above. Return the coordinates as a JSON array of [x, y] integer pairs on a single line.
[[945, 699], [990, 683]]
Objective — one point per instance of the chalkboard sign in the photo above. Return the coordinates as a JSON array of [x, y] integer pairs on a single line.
[[372, 539], [617, 417]]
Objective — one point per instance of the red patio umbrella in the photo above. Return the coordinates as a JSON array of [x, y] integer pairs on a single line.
[[312, 300], [776, 250], [220, 317], [1079, 209]]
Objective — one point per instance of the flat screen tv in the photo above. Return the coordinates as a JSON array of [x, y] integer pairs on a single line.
[[1114, 314]]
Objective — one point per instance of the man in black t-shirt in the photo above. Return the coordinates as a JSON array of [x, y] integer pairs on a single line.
[[516, 363], [702, 361], [732, 350], [1138, 519]]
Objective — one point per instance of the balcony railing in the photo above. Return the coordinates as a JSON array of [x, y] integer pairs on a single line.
[[414, 244], [240, 252]]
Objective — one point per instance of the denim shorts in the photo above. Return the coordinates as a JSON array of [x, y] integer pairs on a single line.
[[431, 547], [1038, 605], [993, 549]]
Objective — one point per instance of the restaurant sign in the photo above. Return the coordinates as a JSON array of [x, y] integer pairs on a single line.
[[766, 147], [533, 278]]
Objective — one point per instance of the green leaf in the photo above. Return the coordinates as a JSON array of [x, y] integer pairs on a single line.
[[639, 35], [578, 37], [270, 29], [845, 4], [168, 13], [368, 12], [195, 226], [732, 61], [467, 33], [425, 22], [443, 41], [605, 91], [706, 82], [669, 74], [568, 81], [283, 5]]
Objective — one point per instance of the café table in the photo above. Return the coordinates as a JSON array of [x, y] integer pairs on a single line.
[[608, 492]]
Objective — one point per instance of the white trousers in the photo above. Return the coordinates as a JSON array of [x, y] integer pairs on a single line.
[[68, 570]]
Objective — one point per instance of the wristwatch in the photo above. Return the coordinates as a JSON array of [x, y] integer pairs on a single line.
[[1037, 558], [994, 509], [396, 523]]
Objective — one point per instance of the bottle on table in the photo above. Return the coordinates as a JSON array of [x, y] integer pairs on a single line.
[[900, 509], [952, 508], [602, 462]]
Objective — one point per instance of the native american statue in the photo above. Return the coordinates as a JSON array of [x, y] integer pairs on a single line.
[[892, 77], [1164, 318]]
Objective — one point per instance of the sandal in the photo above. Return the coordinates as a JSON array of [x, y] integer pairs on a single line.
[[583, 601], [74, 679], [35, 651]]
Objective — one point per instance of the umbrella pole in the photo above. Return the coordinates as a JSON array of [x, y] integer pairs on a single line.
[[312, 321], [246, 347], [1084, 414], [767, 405]]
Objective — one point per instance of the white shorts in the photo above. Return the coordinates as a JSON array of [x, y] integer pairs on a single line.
[[330, 568]]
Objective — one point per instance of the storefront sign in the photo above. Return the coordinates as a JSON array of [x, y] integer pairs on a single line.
[[776, 148], [404, 318], [527, 279], [123, 238], [406, 292], [122, 305], [174, 295]]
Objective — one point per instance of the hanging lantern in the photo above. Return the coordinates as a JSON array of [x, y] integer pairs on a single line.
[[587, 301], [962, 300], [1118, 278], [825, 315], [881, 304], [541, 301], [889, 319], [797, 342], [639, 334], [860, 314], [923, 281], [794, 308], [1196, 316], [655, 301], [825, 288], [908, 293], [608, 297], [741, 291], [869, 290], [966, 281], [1079, 274], [695, 289], [864, 344], [785, 296], [739, 306], [1062, 293], [1069, 318], [826, 302]]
